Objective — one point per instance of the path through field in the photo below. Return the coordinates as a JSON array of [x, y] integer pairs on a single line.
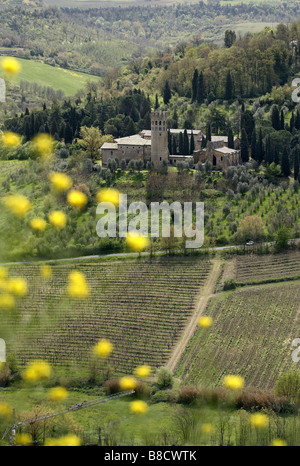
[[201, 304]]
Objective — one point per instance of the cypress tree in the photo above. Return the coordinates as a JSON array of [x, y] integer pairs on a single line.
[[292, 123], [296, 164], [297, 121], [174, 145], [192, 143], [208, 132], [244, 147], [169, 142], [285, 163], [181, 144], [282, 120], [200, 88], [186, 145], [156, 105], [68, 134], [167, 93], [195, 85], [260, 148], [275, 118], [253, 145], [228, 87]]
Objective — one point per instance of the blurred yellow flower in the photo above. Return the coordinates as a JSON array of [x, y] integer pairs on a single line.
[[206, 428], [10, 139], [38, 224], [277, 442], [58, 394], [17, 286], [43, 145], [108, 195], [205, 321], [77, 285], [259, 420], [58, 219], [103, 348], [234, 382], [46, 271], [77, 199], [18, 204], [60, 181], [7, 301], [23, 439], [3, 272], [138, 407], [127, 383], [70, 440], [142, 371], [36, 371], [137, 242], [11, 66], [5, 409]]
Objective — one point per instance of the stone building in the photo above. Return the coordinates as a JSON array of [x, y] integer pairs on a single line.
[[152, 145]]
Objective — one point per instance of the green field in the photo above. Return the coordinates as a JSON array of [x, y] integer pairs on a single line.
[[62, 79]]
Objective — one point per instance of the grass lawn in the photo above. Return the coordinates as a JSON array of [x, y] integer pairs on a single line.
[[42, 74]]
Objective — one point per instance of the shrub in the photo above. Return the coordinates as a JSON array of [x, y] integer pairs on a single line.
[[229, 285], [164, 377], [254, 399], [112, 386], [188, 395]]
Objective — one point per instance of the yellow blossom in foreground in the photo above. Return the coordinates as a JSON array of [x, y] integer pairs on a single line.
[[43, 145], [60, 181], [17, 204], [17, 286], [234, 382], [38, 224], [77, 285], [3, 272], [103, 348], [277, 442], [70, 440], [36, 371], [138, 407], [108, 195], [77, 199], [1, 365], [205, 321], [58, 219], [46, 271], [137, 242], [127, 383], [5, 409], [58, 394], [259, 420], [11, 66], [206, 428], [23, 439], [7, 301], [10, 139], [142, 371]]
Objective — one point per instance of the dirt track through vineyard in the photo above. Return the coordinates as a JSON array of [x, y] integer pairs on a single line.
[[201, 304]]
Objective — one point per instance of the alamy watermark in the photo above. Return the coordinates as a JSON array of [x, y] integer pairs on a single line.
[[296, 352], [158, 220]]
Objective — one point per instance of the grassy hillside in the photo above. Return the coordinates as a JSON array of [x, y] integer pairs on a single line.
[[42, 74]]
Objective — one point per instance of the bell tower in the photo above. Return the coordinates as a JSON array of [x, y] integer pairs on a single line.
[[159, 138]]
